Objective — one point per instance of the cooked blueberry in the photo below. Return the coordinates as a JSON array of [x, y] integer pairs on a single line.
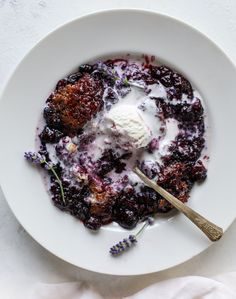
[[150, 169], [199, 172], [52, 118], [127, 218], [86, 68], [159, 71], [110, 98], [50, 135], [93, 223], [73, 78], [111, 160], [61, 83]]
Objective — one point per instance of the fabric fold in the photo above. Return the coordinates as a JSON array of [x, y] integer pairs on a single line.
[[189, 287]]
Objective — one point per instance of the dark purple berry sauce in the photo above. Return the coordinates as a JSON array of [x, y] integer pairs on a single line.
[[95, 170]]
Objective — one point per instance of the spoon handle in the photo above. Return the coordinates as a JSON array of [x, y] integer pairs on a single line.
[[212, 231]]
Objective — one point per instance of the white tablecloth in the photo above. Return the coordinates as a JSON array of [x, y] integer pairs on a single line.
[[22, 24]]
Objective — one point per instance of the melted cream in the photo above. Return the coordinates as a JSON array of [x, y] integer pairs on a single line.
[[136, 100]]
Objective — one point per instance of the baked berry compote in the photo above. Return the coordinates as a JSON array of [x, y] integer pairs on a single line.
[[110, 116]]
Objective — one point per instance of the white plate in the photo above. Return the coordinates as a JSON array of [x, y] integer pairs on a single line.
[[167, 243]]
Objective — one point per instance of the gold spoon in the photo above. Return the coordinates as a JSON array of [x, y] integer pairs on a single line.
[[212, 231]]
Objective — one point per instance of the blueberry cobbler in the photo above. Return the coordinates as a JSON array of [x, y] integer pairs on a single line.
[[110, 116]]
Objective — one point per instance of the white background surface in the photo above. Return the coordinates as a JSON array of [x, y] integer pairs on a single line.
[[22, 23]]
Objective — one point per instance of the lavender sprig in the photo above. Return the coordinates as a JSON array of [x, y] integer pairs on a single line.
[[126, 243], [35, 158], [38, 159]]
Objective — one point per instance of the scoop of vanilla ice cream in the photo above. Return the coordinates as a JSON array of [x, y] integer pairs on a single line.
[[127, 125]]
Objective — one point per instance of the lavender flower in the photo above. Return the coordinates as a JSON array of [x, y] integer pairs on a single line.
[[38, 159], [123, 245], [35, 158], [126, 243], [106, 70], [121, 82]]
